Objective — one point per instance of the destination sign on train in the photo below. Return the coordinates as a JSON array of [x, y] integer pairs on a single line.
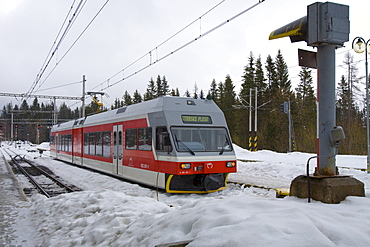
[[196, 119]]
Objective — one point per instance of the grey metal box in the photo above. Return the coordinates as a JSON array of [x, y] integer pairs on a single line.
[[328, 23]]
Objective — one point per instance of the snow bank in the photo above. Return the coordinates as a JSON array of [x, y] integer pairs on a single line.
[[114, 213], [88, 218], [107, 218]]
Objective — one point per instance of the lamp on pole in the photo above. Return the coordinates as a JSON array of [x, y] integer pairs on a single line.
[[359, 45]]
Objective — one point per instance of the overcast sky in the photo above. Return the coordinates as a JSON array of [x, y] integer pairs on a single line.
[[127, 30]]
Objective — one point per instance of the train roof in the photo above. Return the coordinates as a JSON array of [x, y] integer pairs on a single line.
[[165, 103]]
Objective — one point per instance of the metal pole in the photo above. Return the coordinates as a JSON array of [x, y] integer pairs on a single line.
[[367, 110], [358, 49], [11, 128], [250, 120], [326, 109], [290, 128], [55, 112], [83, 96], [255, 121]]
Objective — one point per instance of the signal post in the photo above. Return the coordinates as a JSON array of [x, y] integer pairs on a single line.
[[325, 27]]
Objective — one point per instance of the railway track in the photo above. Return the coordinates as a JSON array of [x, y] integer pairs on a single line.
[[16, 159], [43, 180]]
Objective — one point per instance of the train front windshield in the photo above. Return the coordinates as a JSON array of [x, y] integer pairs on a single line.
[[201, 139]]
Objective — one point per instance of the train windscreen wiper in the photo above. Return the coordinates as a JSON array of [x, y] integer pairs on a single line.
[[223, 147], [186, 147]]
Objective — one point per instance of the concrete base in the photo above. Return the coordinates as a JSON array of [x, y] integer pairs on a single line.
[[327, 189]]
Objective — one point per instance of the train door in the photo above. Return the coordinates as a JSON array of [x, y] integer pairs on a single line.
[[57, 145], [77, 146], [117, 148]]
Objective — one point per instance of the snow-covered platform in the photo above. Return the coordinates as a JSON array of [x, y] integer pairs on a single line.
[[11, 200]]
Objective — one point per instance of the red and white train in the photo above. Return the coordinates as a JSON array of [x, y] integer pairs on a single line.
[[181, 145]]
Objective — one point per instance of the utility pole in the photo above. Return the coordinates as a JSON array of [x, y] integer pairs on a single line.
[[55, 112], [255, 120], [285, 107], [11, 128], [250, 121], [290, 127], [325, 27], [83, 96]]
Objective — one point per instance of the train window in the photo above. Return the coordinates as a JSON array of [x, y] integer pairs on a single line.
[[99, 143], [62, 143], [121, 110], [65, 143], [106, 144], [86, 143], [197, 139], [163, 142], [52, 140], [92, 143], [114, 138], [119, 138], [69, 143], [145, 139], [131, 139]]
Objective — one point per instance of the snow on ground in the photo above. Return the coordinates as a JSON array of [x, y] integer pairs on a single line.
[[110, 212]]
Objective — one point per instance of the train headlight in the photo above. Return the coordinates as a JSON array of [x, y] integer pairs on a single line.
[[185, 166], [230, 164]]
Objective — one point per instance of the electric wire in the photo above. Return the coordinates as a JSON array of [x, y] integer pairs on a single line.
[[64, 85], [183, 46], [158, 46], [66, 30], [88, 25], [56, 38]]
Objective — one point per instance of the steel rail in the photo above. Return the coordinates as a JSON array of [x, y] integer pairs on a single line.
[[57, 181], [32, 180]]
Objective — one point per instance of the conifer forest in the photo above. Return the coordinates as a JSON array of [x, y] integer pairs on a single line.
[[267, 78]]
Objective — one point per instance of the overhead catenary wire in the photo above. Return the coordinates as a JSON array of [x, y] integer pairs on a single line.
[[54, 49], [88, 25], [64, 85], [56, 38], [150, 53], [181, 47]]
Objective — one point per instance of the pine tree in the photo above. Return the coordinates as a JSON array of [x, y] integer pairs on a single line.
[[260, 80], [165, 86], [127, 100], [187, 94], [228, 101], [201, 94], [195, 91], [150, 91], [305, 93], [35, 105], [282, 75], [351, 119], [158, 87], [116, 104], [271, 75], [242, 114], [220, 95], [24, 105], [352, 79], [212, 93], [305, 117], [175, 92], [248, 77], [137, 97]]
